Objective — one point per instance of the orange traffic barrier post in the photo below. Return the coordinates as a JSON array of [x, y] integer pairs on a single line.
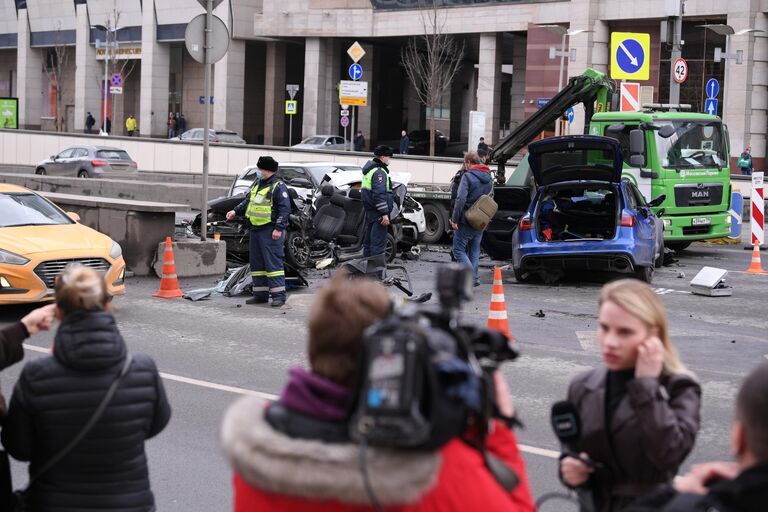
[[755, 267], [169, 284], [497, 316]]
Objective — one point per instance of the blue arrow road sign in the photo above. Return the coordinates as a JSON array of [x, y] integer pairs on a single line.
[[630, 56], [713, 88], [355, 71], [570, 114], [710, 106], [540, 102]]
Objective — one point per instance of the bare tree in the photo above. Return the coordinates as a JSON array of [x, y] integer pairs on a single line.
[[431, 62], [56, 60]]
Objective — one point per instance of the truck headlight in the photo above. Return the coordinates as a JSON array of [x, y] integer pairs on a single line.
[[667, 222], [10, 258], [116, 251]]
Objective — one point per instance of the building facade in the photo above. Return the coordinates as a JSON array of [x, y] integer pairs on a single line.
[[50, 60]]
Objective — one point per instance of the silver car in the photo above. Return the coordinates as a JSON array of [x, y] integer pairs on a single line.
[[214, 136], [89, 162], [323, 142], [304, 177]]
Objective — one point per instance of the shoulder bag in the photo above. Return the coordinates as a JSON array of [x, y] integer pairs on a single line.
[[20, 497], [479, 215]]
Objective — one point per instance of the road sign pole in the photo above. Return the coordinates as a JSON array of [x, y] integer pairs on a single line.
[[290, 130], [726, 83], [206, 116], [674, 86]]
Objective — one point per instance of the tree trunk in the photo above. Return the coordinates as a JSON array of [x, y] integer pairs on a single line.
[[432, 134]]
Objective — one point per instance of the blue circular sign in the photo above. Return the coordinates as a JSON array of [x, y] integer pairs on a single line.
[[713, 88], [630, 56], [355, 71], [570, 114], [344, 121]]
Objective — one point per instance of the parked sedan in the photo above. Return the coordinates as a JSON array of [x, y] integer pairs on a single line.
[[584, 216], [304, 177], [214, 136], [89, 162], [323, 142], [38, 240]]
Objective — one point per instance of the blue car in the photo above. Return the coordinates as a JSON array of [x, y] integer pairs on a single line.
[[583, 216]]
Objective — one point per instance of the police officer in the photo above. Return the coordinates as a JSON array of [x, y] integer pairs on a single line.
[[378, 201], [267, 208]]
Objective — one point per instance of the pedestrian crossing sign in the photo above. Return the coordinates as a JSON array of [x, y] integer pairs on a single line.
[[290, 107]]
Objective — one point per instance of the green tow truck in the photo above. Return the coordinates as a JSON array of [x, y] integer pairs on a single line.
[[683, 156]]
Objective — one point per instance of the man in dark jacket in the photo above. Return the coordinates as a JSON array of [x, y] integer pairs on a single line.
[[724, 486], [378, 201], [359, 141], [404, 142], [11, 338], [89, 122], [267, 208], [475, 182]]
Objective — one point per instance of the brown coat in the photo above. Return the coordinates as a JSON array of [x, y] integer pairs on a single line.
[[11, 352], [651, 432]]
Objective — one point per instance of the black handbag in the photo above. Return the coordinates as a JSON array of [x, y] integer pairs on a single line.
[[19, 498]]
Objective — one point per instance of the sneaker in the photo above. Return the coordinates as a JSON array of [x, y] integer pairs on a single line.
[[257, 300], [278, 303]]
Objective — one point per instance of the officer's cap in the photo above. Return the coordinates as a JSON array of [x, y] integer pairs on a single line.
[[267, 163], [383, 151]]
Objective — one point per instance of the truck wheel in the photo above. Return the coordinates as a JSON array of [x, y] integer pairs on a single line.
[[644, 274], [678, 246], [297, 252], [433, 214]]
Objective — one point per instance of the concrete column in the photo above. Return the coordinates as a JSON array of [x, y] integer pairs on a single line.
[[314, 81], [155, 65], [89, 72], [274, 95], [489, 83], [747, 84], [29, 77], [517, 91], [229, 88]]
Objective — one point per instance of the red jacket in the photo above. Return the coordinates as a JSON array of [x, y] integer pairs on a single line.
[[276, 473]]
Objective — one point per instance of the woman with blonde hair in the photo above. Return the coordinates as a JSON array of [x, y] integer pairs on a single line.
[[82, 414], [639, 411]]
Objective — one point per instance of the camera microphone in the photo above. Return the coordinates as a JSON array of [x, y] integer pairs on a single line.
[[566, 422]]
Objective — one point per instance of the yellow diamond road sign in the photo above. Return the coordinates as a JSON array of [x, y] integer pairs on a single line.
[[290, 107], [630, 56], [355, 51]]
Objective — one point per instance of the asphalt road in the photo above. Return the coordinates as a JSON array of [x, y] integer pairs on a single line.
[[228, 348]]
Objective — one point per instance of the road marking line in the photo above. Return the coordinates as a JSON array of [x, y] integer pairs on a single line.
[[552, 454]]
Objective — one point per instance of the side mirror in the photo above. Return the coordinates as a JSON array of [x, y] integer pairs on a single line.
[[666, 131], [72, 215], [637, 161], [614, 128], [637, 148], [656, 202], [53, 157]]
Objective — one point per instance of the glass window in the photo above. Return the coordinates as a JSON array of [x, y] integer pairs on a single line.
[[623, 138], [79, 153], [694, 145], [314, 140], [319, 172], [25, 209], [112, 154], [67, 153], [290, 173]]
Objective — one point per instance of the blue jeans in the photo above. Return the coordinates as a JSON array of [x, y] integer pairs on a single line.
[[466, 247]]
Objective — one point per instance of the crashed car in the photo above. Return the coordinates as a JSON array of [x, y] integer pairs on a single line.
[[583, 216]]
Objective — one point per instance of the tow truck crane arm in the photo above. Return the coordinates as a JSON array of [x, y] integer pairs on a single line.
[[590, 88]]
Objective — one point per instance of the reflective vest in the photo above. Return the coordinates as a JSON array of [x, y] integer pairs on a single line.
[[368, 178], [259, 210]]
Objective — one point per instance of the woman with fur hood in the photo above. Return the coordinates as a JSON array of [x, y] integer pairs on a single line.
[[295, 455]]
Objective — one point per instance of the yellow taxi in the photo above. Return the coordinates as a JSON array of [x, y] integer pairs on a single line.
[[38, 240]]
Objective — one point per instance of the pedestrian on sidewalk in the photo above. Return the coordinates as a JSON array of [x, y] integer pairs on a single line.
[[89, 122], [130, 125], [404, 141], [640, 411], [745, 161], [171, 124], [58, 396], [359, 141], [181, 124], [473, 183]]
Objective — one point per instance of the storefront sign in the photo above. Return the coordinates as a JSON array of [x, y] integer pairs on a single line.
[[122, 53]]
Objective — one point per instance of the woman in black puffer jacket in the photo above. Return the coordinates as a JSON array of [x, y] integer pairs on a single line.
[[57, 395]]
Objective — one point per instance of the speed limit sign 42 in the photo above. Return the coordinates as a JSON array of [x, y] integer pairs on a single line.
[[680, 70]]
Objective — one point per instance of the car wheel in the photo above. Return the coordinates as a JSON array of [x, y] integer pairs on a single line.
[[678, 246], [520, 276], [297, 251], [390, 251], [644, 274], [435, 224], [40, 171], [82, 174]]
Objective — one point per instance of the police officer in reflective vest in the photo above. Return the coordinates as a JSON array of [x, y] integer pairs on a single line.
[[267, 208], [378, 201]]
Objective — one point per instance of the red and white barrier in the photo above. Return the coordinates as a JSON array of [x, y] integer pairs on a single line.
[[758, 205]]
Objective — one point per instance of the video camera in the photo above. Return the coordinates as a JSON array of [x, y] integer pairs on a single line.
[[425, 378]]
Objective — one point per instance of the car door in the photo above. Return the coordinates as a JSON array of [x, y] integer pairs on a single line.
[[647, 229], [338, 143], [58, 166], [77, 161], [513, 203]]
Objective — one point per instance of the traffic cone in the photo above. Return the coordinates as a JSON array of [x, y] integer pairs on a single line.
[[497, 316], [756, 267], [169, 284]]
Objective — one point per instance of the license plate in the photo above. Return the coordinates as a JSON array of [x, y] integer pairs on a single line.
[[701, 221]]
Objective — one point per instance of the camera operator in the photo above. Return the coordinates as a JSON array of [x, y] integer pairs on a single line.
[[639, 412], [726, 486], [296, 455]]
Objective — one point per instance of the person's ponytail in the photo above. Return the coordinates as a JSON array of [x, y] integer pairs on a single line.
[[80, 288]]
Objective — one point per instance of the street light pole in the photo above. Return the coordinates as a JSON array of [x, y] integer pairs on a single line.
[[207, 115], [677, 52]]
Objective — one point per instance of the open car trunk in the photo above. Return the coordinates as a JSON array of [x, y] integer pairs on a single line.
[[578, 212]]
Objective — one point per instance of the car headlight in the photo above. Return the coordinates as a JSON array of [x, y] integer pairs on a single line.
[[9, 258], [116, 251]]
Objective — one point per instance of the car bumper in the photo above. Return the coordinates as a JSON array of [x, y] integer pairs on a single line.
[[29, 286], [602, 262], [682, 227], [617, 255]]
